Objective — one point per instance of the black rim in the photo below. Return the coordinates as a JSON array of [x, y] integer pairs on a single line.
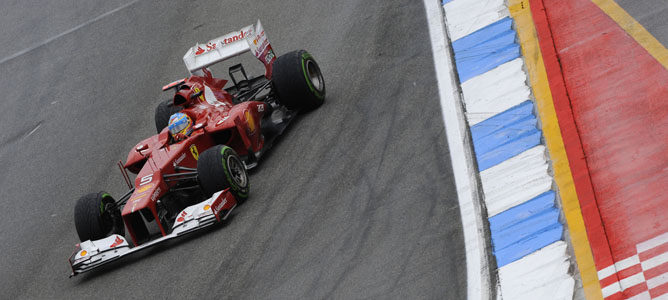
[[238, 171], [110, 222]]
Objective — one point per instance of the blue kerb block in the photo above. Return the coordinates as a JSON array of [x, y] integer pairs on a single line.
[[445, 1], [505, 135], [525, 228], [513, 131], [483, 34], [506, 151], [514, 114], [528, 246], [485, 49], [524, 211], [529, 227]]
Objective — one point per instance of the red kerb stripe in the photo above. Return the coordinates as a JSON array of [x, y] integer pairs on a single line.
[[659, 290], [628, 272], [634, 290], [656, 271], [653, 252]]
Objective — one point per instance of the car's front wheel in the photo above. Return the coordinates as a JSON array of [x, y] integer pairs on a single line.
[[220, 167], [96, 216]]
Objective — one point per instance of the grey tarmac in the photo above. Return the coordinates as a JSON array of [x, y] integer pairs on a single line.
[[356, 200]]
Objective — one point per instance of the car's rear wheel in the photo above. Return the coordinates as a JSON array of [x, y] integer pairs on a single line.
[[96, 216], [163, 111], [220, 167], [298, 81]]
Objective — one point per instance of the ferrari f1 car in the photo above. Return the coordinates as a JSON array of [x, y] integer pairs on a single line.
[[185, 185]]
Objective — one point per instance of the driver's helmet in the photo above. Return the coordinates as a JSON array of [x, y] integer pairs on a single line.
[[180, 126]]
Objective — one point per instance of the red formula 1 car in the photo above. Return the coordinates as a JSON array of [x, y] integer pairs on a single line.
[[185, 185]]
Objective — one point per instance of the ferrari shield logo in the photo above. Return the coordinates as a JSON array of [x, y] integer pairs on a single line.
[[193, 151]]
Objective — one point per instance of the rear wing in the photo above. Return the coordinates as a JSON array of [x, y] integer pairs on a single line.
[[250, 38]]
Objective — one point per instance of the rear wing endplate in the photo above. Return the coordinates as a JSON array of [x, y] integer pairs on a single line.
[[250, 38]]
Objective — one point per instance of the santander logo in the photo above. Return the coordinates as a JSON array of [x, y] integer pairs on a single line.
[[242, 35], [116, 243], [199, 50], [212, 45], [218, 207]]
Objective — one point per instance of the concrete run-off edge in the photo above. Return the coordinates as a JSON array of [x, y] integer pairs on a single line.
[[479, 276]]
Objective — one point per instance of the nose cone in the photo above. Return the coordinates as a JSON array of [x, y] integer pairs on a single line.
[[147, 191]]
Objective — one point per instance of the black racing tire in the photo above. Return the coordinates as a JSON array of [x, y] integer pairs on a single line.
[[220, 167], [94, 219], [297, 81], [163, 111]]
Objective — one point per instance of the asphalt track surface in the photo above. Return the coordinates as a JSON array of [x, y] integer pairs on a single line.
[[651, 14], [356, 201]]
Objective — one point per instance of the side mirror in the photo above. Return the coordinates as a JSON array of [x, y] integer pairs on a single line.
[[199, 125], [182, 98], [141, 147]]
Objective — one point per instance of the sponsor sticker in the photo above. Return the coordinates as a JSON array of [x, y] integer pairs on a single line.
[[228, 39], [260, 46], [142, 189], [155, 194], [219, 206], [117, 242], [136, 198], [199, 50], [270, 55], [180, 159], [182, 216], [208, 47], [236, 37]]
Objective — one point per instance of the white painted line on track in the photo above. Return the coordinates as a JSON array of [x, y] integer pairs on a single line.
[[618, 266], [662, 297], [655, 261], [461, 155], [632, 281], [73, 29], [653, 243], [657, 281], [642, 296], [611, 289]]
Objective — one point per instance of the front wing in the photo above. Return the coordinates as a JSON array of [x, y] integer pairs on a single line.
[[92, 254]]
